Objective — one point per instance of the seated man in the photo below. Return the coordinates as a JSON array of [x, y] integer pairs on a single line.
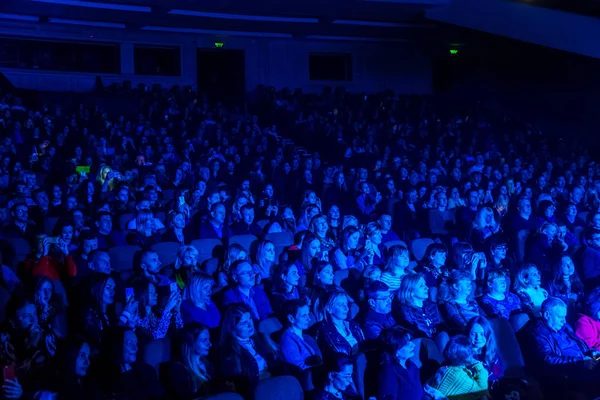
[[387, 235], [89, 243], [21, 226], [379, 317], [247, 226], [216, 227], [554, 353], [590, 259], [150, 267], [245, 291], [107, 237]]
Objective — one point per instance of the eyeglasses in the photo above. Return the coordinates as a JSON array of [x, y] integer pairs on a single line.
[[385, 298], [247, 274]]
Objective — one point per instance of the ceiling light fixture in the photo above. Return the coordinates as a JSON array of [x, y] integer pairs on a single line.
[[215, 32], [355, 38], [376, 23], [243, 17], [92, 4], [19, 17], [86, 23]]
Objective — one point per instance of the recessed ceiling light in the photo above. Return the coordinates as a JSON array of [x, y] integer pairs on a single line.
[[243, 17], [93, 4], [215, 32], [86, 23]]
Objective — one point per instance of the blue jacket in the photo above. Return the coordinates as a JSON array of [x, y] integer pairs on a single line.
[[376, 322], [295, 350], [396, 382], [259, 297]]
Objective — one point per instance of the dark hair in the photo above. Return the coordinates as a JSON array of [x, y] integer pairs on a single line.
[[87, 234], [558, 283], [62, 224], [458, 351], [432, 250], [292, 307], [318, 267], [592, 303], [232, 317], [299, 236], [67, 353], [395, 338], [304, 257], [337, 363], [374, 287], [591, 232], [111, 352], [247, 206], [349, 231]]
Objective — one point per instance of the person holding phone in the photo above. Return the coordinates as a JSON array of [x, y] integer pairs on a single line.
[[41, 262]]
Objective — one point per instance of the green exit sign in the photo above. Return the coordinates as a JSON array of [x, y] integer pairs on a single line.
[[453, 52], [219, 44]]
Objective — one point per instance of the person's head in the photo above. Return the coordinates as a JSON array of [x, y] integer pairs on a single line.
[[297, 313], [473, 198], [592, 304], [459, 351], [199, 288], [550, 230], [527, 277], [234, 253], [309, 212], [243, 274], [385, 221], [484, 219], [554, 312], [66, 230], [265, 253], [462, 255], [577, 194], [247, 212], [101, 290], [460, 284], [187, 256], [498, 247], [564, 268], [333, 213], [524, 207], [323, 274], [593, 238], [176, 220], [413, 288], [398, 343], [99, 261], [373, 233], [287, 275], [120, 346], [593, 220], [104, 223], [73, 357], [237, 324], [150, 262], [379, 297], [340, 369], [497, 281], [336, 306], [350, 239], [218, 213], [397, 259], [435, 255], [43, 290], [318, 225], [311, 248], [89, 242], [41, 199], [480, 334], [19, 212], [349, 220], [195, 344]]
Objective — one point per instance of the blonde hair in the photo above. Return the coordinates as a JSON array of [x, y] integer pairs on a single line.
[[195, 283], [393, 254], [331, 299], [232, 255], [349, 220], [182, 252], [480, 223], [189, 335], [407, 288], [143, 216], [522, 276]]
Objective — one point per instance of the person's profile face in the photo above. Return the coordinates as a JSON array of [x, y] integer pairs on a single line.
[[82, 362], [202, 344], [248, 216], [245, 327]]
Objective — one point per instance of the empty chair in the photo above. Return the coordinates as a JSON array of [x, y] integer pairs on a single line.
[[167, 251], [243, 240], [419, 246], [210, 266], [262, 223], [279, 388], [205, 248], [124, 220], [283, 239], [394, 243], [508, 346], [122, 257], [49, 225], [14, 251]]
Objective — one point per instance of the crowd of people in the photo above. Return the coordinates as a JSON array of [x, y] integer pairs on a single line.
[[329, 247]]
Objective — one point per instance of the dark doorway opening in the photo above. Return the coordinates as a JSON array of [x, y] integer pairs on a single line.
[[222, 75]]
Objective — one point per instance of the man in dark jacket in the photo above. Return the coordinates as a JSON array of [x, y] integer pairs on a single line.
[[247, 226], [379, 317], [590, 259]]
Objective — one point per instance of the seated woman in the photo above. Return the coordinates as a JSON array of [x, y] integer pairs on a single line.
[[340, 371], [320, 228], [372, 234], [399, 376], [185, 263], [396, 267], [457, 308], [497, 256], [498, 301], [264, 263], [484, 226], [65, 230], [197, 306], [433, 268], [235, 252], [309, 252], [483, 342], [335, 334], [190, 375], [285, 286], [51, 313], [418, 313], [121, 373], [176, 228], [245, 358], [145, 233], [149, 319], [347, 254], [464, 377], [566, 285], [297, 348], [544, 247], [587, 324], [42, 261], [527, 286]]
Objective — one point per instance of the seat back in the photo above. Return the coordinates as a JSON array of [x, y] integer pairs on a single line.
[[243, 240], [262, 223], [283, 239], [210, 266], [206, 248], [167, 251], [508, 346], [582, 216], [522, 237], [14, 251], [391, 243], [122, 257], [279, 388], [419, 246], [157, 351], [124, 220]]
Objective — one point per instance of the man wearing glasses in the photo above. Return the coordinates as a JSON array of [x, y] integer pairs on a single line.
[[246, 292], [379, 317], [20, 227]]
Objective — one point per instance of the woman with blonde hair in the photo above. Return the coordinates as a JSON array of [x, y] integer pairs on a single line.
[[264, 262], [336, 333], [483, 227], [349, 220], [373, 235], [527, 286], [320, 228], [234, 253], [145, 233], [198, 306], [106, 178], [396, 267], [185, 263]]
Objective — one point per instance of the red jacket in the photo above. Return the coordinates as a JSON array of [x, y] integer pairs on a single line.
[[51, 267]]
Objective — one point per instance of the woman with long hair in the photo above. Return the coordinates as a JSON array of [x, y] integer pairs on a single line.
[[50, 311], [234, 253], [285, 286], [198, 306], [145, 233], [433, 268], [309, 254], [264, 261], [499, 301], [527, 286], [396, 267], [186, 262], [372, 234], [459, 308], [566, 284], [347, 254], [484, 226], [318, 226], [176, 228]]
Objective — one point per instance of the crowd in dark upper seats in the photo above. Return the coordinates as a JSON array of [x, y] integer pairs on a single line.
[[328, 246]]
